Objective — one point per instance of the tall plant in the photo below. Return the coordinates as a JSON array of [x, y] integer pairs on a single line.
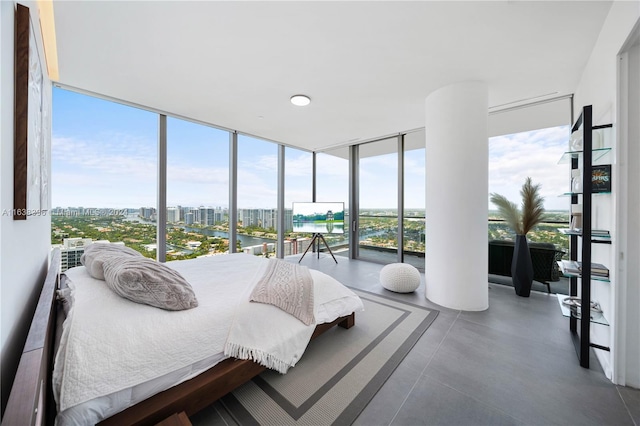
[[532, 208]]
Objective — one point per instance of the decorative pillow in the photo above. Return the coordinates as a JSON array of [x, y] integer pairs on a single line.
[[146, 281], [287, 286], [95, 255], [65, 299]]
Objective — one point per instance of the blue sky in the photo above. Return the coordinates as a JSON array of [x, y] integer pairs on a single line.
[[105, 155]]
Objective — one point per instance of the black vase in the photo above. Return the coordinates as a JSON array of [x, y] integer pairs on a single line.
[[522, 267]]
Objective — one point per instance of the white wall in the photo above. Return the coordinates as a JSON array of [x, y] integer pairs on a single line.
[[598, 87], [629, 374], [24, 245]]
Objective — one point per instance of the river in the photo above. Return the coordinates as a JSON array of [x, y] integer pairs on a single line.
[[245, 240]]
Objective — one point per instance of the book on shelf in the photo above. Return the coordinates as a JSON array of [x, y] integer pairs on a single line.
[[578, 231], [596, 269], [575, 267]]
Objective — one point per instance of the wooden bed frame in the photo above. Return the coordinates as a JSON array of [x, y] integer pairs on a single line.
[[31, 398]]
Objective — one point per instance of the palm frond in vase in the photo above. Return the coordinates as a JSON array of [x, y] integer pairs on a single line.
[[521, 222]]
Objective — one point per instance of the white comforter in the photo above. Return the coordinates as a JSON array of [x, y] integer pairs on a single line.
[[110, 343]]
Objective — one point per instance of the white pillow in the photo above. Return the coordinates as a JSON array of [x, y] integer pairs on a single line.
[[333, 300]]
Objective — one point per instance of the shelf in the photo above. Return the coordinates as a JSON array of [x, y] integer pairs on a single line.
[[596, 317], [567, 231], [596, 153], [574, 275], [568, 194]]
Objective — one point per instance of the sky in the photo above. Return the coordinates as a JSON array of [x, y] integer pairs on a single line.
[[105, 155]]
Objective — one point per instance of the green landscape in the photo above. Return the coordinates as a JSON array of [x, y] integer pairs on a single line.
[[377, 229]]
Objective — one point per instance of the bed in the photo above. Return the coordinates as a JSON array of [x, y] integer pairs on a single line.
[[182, 390]]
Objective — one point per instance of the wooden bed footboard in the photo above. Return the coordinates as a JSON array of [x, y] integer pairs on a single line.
[[31, 400]]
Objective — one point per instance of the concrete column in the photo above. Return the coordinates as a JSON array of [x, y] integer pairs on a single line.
[[457, 161]]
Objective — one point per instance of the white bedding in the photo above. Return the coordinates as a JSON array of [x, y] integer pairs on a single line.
[[139, 350]]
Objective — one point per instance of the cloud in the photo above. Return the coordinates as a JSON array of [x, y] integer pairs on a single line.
[[513, 158], [120, 170]]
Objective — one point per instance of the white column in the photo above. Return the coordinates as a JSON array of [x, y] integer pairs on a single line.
[[457, 162]]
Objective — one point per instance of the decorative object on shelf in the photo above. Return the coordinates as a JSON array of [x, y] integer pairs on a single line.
[[575, 302], [576, 181], [575, 141], [601, 178], [596, 139], [576, 216], [521, 222]]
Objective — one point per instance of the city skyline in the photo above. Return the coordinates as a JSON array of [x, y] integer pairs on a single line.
[[105, 154]]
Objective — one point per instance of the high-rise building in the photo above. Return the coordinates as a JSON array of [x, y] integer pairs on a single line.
[[270, 218], [173, 214], [72, 249], [184, 211], [196, 215], [188, 219], [288, 220], [148, 213]]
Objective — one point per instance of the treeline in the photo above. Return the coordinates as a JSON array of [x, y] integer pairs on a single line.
[[318, 217]]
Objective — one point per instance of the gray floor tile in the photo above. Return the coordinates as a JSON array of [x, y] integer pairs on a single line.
[[426, 347], [537, 317], [534, 382], [631, 398], [431, 403], [386, 403]]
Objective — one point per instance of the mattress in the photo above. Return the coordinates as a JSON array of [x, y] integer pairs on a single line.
[[218, 283]]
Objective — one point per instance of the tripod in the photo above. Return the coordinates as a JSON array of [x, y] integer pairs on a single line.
[[316, 238]]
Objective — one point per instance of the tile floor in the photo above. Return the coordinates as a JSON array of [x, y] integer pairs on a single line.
[[511, 364]]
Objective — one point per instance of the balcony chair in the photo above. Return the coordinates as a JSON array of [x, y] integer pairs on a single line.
[[543, 256]]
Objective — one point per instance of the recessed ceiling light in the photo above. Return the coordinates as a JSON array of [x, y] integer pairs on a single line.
[[300, 100]]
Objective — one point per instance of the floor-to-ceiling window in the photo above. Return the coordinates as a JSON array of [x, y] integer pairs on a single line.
[[298, 181], [378, 200], [332, 185], [104, 174], [414, 200], [535, 154], [257, 195], [197, 190]]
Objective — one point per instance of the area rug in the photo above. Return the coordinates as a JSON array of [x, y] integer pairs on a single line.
[[340, 371]]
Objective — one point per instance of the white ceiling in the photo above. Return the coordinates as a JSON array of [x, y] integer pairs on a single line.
[[367, 66]]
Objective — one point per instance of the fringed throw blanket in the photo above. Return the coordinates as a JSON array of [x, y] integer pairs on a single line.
[[272, 337], [287, 286]]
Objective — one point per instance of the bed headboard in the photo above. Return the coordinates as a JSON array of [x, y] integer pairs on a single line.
[[31, 401]]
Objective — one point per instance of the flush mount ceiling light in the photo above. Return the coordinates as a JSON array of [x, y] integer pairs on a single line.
[[300, 100]]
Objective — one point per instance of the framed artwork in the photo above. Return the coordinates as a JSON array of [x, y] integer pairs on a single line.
[[601, 178], [32, 124]]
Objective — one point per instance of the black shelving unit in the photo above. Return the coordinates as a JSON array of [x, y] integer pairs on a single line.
[[581, 328]]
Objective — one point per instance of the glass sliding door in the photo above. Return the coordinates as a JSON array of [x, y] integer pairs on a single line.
[[197, 190], [378, 199]]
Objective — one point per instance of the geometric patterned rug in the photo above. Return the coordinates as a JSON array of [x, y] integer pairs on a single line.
[[340, 371]]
